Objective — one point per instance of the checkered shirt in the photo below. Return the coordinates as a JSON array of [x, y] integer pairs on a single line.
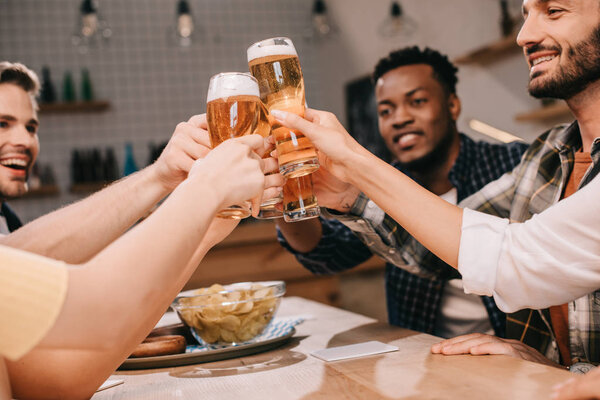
[[536, 184], [414, 291]]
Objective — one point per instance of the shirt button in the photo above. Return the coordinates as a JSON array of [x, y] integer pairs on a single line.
[[371, 205], [392, 251]]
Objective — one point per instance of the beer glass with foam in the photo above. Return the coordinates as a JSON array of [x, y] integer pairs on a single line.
[[232, 110], [274, 63]]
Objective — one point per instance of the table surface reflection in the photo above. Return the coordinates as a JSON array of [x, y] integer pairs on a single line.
[[290, 372]]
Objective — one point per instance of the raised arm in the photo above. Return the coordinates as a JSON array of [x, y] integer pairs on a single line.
[[115, 299], [77, 232], [429, 219], [550, 259]]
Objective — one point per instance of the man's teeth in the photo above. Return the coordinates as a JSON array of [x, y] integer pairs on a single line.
[[14, 162], [542, 59]]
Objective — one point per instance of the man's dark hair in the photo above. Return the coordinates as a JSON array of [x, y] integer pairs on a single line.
[[20, 75], [443, 70]]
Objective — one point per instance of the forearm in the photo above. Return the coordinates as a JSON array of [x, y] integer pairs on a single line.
[[90, 351], [79, 231], [302, 236], [428, 218]]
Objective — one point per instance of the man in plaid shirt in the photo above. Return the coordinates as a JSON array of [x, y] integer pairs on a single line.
[[561, 42], [418, 108]]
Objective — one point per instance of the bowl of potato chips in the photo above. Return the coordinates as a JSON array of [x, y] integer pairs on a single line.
[[229, 314]]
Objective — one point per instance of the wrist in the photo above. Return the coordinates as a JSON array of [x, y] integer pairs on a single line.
[[203, 192], [153, 177], [356, 166]]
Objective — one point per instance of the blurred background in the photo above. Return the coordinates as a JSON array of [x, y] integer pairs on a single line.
[[120, 74]]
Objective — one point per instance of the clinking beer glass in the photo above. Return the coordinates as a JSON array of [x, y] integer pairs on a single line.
[[299, 201], [268, 208], [274, 63], [232, 110]]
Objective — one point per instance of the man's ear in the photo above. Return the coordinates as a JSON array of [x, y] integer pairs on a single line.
[[454, 106]]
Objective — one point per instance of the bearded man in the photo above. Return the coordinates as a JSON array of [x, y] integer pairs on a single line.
[[561, 43]]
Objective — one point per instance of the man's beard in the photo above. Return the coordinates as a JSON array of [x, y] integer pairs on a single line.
[[432, 160], [582, 68]]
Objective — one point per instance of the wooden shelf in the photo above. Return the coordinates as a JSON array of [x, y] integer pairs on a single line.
[[75, 107], [87, 188], [42, 191], [490, 52], [558, 110]]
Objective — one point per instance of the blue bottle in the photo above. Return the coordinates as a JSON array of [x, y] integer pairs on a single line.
[[130, 165]]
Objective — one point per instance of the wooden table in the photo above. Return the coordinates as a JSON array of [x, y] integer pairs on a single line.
[[290, 372]]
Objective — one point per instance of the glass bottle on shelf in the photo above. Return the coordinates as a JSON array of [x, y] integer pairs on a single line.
[[130, 165], [48, 93], [68, 88], [87, 92]]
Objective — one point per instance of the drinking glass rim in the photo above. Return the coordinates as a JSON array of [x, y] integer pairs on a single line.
[[272, 42], [247, 74]]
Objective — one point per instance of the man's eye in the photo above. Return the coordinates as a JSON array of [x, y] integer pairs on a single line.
[[384, 113], [418, 102], [3, 124], [31, 128], [554, 11]]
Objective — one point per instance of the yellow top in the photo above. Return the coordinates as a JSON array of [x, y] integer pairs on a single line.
[[32, 291]]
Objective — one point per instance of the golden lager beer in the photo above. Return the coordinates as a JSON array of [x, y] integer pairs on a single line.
[[299, 201], [275, 65], [268, 209], [232, 110]]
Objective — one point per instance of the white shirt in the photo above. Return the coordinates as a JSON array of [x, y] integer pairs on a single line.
[[551, 259]]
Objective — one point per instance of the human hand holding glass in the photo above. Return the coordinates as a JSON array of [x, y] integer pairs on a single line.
[[232, 110], [274, 63]]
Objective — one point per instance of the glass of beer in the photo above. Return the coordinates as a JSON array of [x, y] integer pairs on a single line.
[[232, 110], [299, 201], [268, 209], [274, 63]]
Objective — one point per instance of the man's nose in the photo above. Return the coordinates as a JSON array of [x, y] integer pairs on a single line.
[[530, 33], [402, 117]]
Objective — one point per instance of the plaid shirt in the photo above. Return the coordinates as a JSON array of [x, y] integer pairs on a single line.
[[536, 184], [413, 291]]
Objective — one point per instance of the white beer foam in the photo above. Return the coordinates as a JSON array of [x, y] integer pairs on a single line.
[[232, 84], [268, 48]]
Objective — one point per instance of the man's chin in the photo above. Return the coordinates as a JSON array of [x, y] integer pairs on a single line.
[[543, 90], [13, 192]]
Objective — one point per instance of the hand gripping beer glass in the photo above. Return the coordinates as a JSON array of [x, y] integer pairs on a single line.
[[232, 110], [268, 209], [274, 63]]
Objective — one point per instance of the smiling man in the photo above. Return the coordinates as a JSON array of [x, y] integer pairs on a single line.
[[561, 43], [418, 107], [19, 145]]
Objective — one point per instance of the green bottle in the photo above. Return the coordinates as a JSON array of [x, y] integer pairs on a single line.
[[68, 88], [87, 93]]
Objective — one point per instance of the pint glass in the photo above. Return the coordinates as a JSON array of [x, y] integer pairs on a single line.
[[232, 110], [268, 209], [274, 63], [299, 201]]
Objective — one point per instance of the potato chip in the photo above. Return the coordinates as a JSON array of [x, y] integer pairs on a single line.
[[219, 314]]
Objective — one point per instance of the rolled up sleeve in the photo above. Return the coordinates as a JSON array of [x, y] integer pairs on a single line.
[[480, 249]]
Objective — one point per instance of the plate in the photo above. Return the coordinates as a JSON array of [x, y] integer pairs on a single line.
[[208, 354]]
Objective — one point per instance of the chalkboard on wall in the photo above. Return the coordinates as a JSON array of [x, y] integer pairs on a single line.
[[361, 111]]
